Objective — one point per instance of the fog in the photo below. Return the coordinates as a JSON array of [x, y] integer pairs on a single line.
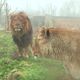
[[60, 7], [43, 12]]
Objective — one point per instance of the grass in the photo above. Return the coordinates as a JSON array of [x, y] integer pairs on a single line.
[[26, 69]]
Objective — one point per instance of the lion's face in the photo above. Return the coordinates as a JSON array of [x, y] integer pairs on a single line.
[[19, 23]]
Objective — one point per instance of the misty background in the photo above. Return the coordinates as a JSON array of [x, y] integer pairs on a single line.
[[49, 13]]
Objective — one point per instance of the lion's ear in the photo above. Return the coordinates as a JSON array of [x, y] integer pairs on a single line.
[[11, 17], [24, 15]]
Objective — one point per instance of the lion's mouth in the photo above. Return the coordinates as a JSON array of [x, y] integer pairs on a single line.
[[18, 29]]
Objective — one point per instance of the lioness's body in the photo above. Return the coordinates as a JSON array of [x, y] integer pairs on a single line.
[[62, 44]]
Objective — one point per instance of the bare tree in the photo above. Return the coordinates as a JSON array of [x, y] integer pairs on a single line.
[[70, 8], [2, 3], [49, 16], [7, 11]]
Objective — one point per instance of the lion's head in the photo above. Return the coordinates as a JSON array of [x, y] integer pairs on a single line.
[[20, 23]]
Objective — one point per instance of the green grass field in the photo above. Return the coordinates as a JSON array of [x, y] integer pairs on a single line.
[[26, 69]]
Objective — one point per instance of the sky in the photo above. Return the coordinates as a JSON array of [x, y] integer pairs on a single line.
[[34, 5], [37, 5]]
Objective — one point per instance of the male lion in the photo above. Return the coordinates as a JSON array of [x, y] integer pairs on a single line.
[[62, 44], [21, 29]]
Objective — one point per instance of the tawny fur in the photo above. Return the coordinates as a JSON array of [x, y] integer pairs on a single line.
[[62, 44]]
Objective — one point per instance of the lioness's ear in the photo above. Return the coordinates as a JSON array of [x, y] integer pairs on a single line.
[[47, 33]]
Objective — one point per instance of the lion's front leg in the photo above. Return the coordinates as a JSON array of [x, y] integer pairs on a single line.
[[26, 52], [20, 51]]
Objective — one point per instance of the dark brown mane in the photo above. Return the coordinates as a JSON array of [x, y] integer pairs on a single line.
[[23, 37]]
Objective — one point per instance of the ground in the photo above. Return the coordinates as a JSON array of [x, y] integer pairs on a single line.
[[27, 69]]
